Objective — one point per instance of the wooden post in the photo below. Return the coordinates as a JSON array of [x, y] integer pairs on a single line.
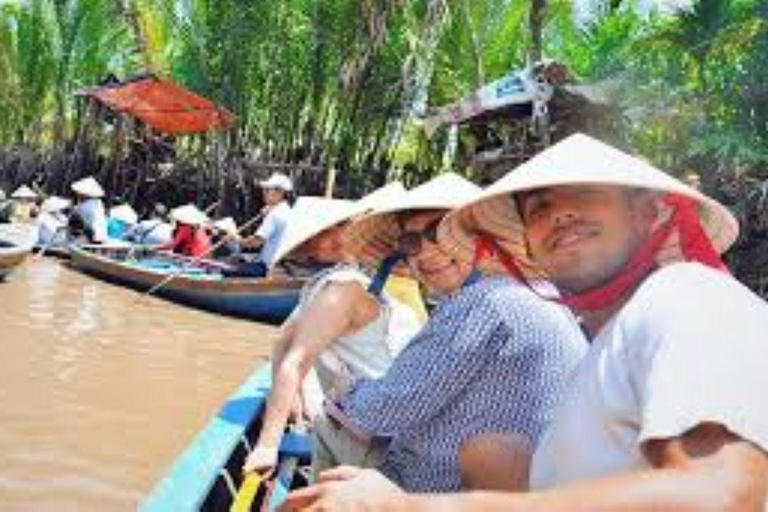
[[330, 181]]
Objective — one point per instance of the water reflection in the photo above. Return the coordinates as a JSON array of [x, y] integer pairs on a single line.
[[99, 391]]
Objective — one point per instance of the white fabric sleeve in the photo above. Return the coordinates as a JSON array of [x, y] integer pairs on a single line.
[[704, 356], [268, 226]]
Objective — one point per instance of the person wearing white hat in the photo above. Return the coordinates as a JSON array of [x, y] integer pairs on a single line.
[[89, 216], [52, 222], [121, 219], [277, 193], [190, 237], [153, 231], [667, 411], [491, 360], [23, 207], [344, 326]]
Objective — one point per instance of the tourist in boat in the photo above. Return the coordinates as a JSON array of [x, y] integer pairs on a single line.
[[492, 360], [224, 234], [153, 231], [190, 236], [52, 222], [23, 206], [121, 219], [667, 411], [277, 192], [89, 219], [343, 327]]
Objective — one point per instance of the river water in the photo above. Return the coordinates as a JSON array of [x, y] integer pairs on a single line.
[[100, 391]]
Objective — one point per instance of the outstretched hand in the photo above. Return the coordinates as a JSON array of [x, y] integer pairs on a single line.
[[347, 488]]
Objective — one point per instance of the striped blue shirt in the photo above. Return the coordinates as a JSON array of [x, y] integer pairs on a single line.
[[493, 358]]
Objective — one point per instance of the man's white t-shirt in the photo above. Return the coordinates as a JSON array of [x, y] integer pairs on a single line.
[[93, 214], [271, 230], [690, 346]]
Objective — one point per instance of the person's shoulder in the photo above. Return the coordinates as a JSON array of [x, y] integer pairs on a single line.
[[692, 281]]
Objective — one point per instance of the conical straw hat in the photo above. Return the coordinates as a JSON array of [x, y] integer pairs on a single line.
[[578, 159], [226, 225], [88, 187], [189, 214], [373, 236], [55, 204], [309, 217], [24, 192], [125, 213]]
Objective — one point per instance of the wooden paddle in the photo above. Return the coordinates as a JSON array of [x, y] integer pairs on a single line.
[[197, 259], [247, 492]]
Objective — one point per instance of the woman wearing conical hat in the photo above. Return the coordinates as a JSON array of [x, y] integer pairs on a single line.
[[190, 236], [89, 217], [491, 360], [343, 327], [667, 411], [52, 221]]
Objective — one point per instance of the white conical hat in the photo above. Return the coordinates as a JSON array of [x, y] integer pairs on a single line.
[[24, 192], [309, 217], [88, 187], [189, 214], [374, 235], [578, 159], [55, 204], [227, 225], [125, 213]]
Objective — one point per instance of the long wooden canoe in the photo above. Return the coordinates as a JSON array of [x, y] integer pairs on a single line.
[[207, 475], [195, 283]]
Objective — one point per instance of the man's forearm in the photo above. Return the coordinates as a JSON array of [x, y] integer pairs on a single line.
[[659, 489]]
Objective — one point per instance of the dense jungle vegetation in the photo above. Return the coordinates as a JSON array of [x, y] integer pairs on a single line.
[[343, 84]]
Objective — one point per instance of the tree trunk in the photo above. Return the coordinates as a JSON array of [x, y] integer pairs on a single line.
[[536, 23]]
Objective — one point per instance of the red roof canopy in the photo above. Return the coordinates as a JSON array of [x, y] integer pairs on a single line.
[[165, 106]]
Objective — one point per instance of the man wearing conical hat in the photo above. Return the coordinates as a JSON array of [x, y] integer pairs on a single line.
[[482, 364], [344, 327], [89, 216], [667, 412]]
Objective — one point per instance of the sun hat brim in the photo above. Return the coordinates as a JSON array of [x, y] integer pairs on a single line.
[[373, 236], [189, 214], [24, 192], [577, 160], [88, 187], [311, 216]]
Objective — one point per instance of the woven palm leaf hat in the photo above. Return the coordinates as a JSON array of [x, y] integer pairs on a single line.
[[580, 159], [24, 193], [189, 214], [373, 236], [88, 187], [310, 216]]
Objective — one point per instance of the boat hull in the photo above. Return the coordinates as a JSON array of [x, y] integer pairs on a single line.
[[207, 475], [265, 299], [15, 245]]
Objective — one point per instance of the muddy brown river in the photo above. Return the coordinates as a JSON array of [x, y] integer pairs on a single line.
[[99, 391]]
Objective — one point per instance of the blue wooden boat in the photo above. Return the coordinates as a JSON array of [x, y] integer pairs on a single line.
[[207, 475], [197, 283]]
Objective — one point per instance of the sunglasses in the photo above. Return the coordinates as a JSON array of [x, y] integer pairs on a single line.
[[409, 242]]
